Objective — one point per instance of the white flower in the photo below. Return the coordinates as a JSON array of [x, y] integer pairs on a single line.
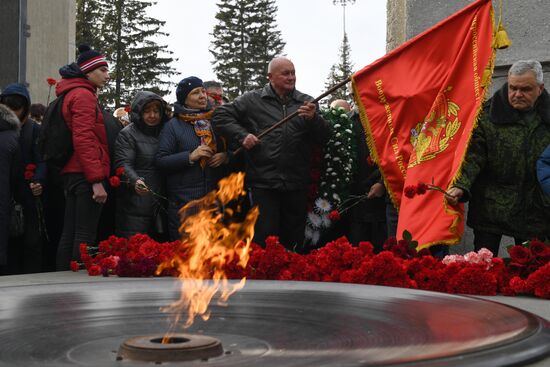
[[308, 234], [337, 143], [314, 220], [315, 237], [336, 197], [325, 222], [323, 205], [336, 126], [348, 131], [333, 186]]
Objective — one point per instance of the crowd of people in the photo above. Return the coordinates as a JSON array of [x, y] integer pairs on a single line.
[[130, 172]]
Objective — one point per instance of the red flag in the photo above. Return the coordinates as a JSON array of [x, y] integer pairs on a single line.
[[419, 104]]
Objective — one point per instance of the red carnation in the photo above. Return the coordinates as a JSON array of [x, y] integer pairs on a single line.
[[30, 167], [29, 175], [519, 254], [127, 109], [83, 249], [334, 215], [149, 249], [538, 248], [410, 191], [421, 188], [94, 270], [114, 181], [516, 269], [51, 81], [119, 171], [74, 266]]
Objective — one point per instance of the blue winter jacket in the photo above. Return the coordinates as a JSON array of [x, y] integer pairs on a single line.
[[543, 171], [184, 181]]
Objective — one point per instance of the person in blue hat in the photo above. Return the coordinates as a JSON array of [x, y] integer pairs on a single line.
[[189, 154]]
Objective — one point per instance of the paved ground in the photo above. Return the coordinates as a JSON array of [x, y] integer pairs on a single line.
[[536, 306]]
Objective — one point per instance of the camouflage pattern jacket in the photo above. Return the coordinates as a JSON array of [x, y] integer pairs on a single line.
[[499, 172]]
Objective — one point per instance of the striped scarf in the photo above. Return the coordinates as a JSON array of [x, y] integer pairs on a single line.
[[203, 129]]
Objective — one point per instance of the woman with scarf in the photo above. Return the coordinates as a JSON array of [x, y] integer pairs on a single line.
[[140, 209], [189, 154]]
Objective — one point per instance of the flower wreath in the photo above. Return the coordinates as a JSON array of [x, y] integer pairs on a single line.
[[338, 164]]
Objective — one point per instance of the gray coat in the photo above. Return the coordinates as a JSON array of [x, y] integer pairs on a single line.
[[282, 160], [9, 150], [135, 150]]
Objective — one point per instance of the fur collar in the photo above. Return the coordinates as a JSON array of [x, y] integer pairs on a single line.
[[8, 119], [501, 112]]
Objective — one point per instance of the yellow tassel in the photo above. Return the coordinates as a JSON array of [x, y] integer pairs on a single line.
[[501, 38]]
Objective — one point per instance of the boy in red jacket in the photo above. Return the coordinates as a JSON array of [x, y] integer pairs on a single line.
[[85, 174]]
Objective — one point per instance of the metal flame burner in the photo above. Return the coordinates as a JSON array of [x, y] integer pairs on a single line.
[[180, 347]]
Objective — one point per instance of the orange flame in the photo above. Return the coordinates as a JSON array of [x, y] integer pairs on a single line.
[[211, 238]]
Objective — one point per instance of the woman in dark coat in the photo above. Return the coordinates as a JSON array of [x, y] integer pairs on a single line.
[[26, 251], [139, 206], [189, 154], [9, 149]]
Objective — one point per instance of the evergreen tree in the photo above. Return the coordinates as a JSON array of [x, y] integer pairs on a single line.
[[88, 13], [245, 40], [338, 72], [136, 62]]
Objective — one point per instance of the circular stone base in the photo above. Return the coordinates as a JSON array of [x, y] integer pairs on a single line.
[[71, 319]]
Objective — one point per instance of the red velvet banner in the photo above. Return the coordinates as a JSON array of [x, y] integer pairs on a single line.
[[419, 105]]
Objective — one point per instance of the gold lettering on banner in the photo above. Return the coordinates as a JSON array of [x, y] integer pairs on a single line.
[[475, 51], [394, 141]]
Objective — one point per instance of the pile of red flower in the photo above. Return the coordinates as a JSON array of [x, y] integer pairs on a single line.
[[399, 265]]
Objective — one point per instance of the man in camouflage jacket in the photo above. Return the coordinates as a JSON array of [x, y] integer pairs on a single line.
[[499, 173]]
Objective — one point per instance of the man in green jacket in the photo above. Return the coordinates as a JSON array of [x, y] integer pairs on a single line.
[[498, 176]]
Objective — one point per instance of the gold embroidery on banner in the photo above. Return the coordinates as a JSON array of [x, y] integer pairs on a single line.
[[433, 135], [394, 141]]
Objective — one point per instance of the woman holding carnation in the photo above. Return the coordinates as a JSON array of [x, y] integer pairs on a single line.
[[189, 153], [139, 206]]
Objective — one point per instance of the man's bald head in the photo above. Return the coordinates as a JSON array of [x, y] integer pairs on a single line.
[[281, 75], [277, 62], [342, 104]]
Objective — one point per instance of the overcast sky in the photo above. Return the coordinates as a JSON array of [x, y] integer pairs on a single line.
[[312, 30]]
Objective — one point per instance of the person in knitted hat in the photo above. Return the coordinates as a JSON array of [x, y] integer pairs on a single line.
[[190, 155], [87, 170]]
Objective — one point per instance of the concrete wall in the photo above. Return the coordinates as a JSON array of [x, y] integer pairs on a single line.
[[526, 23], [51, 43], [37, 37], [12, 41]]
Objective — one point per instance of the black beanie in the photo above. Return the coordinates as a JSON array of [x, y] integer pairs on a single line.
[[89, 60], [185, 86]]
